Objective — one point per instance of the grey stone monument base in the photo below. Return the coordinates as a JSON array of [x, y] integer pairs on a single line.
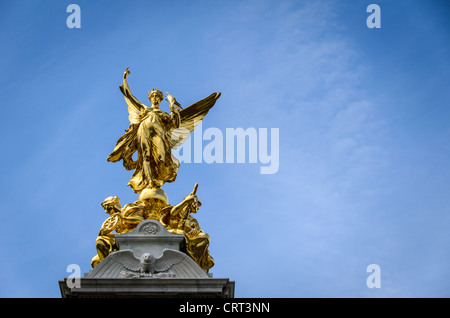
[[150, 262], [149, 288]]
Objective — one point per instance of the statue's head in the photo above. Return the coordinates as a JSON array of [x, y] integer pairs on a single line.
[[194, 205], [111, 205], [155, 96]]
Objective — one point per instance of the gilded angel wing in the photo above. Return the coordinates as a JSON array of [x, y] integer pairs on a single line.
[[190, 117]]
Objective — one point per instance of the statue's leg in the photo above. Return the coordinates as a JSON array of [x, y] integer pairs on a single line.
[[95, 260], [159, 150], [105, 245], [197, 248]]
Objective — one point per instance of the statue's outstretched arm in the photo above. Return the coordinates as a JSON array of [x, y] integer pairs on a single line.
[[135, 107], [192, 197], [176, 209], [125, 82], [174, 110]]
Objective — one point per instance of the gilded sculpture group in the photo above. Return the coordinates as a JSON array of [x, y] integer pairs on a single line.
[[152, 134]]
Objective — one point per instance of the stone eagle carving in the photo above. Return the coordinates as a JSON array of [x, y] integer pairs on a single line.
[[148, 264], [125, 264]]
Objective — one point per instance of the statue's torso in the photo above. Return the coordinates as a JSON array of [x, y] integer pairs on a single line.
[[153, 123]]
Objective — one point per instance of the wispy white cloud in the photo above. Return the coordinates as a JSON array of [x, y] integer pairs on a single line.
[[309, 230], [306, 80]]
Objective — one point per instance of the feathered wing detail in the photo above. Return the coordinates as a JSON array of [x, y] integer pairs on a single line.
[[193, 114], [169, 258], [179, 264], [190, 117], [114, 264], [126, 259], [175, 262]]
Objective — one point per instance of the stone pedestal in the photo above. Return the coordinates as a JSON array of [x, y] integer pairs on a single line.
[[149, 288], [149, 263]]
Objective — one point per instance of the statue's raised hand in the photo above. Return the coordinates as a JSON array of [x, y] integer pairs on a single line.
[[126, 73], [170, 99]]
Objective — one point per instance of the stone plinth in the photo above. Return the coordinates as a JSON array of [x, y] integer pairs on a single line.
[[151, 237], [150, 288], [149, 263]]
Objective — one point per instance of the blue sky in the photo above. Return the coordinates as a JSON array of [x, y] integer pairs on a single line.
[[362, 114]]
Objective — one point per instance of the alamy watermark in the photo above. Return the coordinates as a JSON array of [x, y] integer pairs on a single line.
[[73, 280], [374, 279], [74, 19], [374, 19], [236, 145]]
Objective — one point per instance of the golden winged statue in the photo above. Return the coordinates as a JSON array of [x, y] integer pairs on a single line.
[[153, 134]]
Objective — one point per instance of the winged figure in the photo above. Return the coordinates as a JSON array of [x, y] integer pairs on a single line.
[[153, 134]]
